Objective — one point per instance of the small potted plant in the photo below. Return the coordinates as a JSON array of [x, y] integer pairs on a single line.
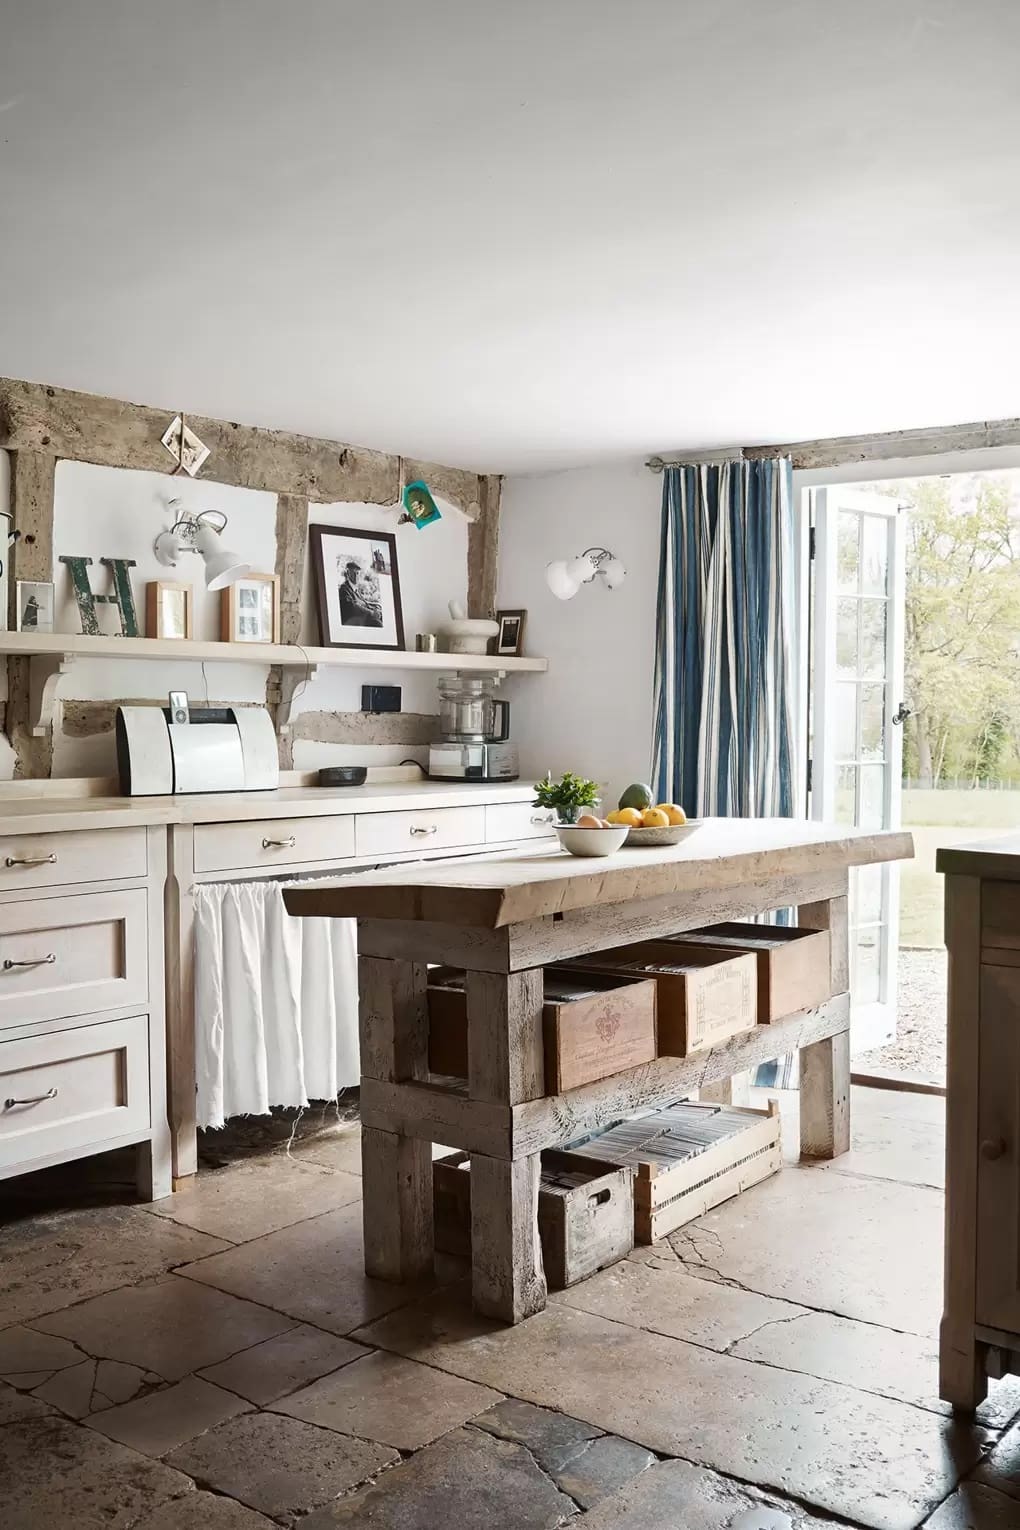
[[568, 797]]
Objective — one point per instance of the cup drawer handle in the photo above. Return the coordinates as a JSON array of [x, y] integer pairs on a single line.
[[32, 1099], [279, 844], [31, 961], [432, 828], [31, 860]]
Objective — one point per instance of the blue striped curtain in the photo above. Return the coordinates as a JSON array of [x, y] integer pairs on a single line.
[[723, 673]]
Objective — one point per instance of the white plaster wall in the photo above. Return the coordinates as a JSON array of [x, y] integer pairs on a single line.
[[592, 712], [113, 512]]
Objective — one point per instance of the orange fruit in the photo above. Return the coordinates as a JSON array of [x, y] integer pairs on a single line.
[[654, 818], [676, 815]]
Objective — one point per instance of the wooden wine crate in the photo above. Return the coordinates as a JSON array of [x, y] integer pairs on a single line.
[[593, 1025], [689, 1158], [704, 996], [793, 964], [585, 1213]]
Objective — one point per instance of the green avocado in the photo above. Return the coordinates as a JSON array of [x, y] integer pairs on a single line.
[[637, 796]]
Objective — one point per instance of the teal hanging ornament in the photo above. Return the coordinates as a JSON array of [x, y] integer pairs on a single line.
[[420, 509]]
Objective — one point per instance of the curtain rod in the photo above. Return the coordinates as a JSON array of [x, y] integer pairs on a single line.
[[696, 459]]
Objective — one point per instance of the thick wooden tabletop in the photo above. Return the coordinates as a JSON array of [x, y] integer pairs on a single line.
[[998, 857], [490, 891]]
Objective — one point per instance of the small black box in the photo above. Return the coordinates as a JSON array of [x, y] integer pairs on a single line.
[[380, 698]]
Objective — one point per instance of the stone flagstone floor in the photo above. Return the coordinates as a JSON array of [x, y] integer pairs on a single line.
[[218, 1361]]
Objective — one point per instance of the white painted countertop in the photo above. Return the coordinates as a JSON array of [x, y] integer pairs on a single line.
[[29, 814]]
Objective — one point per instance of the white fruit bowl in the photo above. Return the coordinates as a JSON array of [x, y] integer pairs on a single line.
[[591, 841], [667, 835]]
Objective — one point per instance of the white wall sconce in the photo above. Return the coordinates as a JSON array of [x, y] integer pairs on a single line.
[[200, 534], [565, 577]]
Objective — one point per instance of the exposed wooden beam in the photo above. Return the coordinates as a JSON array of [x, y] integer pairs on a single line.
[[837, 451]]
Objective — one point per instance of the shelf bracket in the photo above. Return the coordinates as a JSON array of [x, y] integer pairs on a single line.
[[292, 681], [45, 672]]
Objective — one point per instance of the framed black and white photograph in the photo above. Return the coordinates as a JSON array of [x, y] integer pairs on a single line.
[[510, 642], [35, 605], [250, 610], [358, 587]]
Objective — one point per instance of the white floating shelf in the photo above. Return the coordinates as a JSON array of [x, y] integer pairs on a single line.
[[62, 649]]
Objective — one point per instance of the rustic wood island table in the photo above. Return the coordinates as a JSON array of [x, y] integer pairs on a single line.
[[502, 918]]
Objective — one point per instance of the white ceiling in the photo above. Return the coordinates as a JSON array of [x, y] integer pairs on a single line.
[[514, 234]]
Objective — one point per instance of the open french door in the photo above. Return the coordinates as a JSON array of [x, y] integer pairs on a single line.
[[857, 716]]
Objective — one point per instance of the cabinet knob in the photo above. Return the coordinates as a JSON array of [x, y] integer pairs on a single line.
[[993, 1148]]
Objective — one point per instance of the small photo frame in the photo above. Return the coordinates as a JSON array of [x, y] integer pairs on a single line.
[[250, 610], [34, 605], [510, 641], [168, 609]]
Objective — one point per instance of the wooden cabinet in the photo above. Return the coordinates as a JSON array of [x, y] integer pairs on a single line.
[[998, 1158]]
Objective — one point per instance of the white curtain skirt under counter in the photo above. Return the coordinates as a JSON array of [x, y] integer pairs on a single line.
[[276, 1003]]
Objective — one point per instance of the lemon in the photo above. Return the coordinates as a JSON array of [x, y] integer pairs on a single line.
[[628, 815], [676, 815], [654, 818]]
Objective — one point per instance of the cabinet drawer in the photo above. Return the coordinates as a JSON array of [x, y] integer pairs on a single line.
[[61, 957], [429, 829], [52, 860], [71, 1089], [508, 821], [270, 842], [1000, 915]]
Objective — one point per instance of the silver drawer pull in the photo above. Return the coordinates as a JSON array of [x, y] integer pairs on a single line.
[[31, 961], [279, 844], [432, 828], [545, 818], [31, 860], [33, 1099]]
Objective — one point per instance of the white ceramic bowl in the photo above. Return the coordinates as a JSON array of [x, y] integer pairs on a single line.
[[664, 836], [591, 841]]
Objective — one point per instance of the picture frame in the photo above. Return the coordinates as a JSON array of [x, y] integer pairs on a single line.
[[34, 605], [357, 586], [250, 609], [169, 607], [510, 639]]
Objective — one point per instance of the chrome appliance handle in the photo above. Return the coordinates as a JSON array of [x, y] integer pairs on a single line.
[[279, 844], [31, 961], [31, 860], [32, 1099]]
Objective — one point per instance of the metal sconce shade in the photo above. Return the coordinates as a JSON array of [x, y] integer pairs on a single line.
[[565, 578], [222, 566]]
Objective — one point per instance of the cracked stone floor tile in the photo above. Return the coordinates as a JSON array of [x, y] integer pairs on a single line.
[[203, 1511], [467, 1480], [1002, 1468], [55, 1259], [24, 1351], [313, 1271], [898, 1365], [553, 1438], [671, 1301], [169, 1325], [258, 1196], [281, 1466], [871, 1460], [601, 1468], [975, 1506], [57, 1474], [18, 1405], [161, 1421], [675, 1494], [396, 1401], [789, 1238], [894, 1135], [275, 1367]]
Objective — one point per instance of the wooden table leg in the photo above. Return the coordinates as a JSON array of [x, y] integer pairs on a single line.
[[396, 1169], [962, 1379], [507, 1273], [506, 1067], [825, 1065]]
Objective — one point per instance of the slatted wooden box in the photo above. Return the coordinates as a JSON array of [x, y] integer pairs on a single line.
[[704, 996], [594, 1025], [793, 964], [688, 1158], [585, 1213]]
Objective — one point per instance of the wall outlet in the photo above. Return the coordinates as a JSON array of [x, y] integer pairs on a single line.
[[380, 698]]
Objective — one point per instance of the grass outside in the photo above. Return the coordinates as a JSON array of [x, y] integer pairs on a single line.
[[944, 818]]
